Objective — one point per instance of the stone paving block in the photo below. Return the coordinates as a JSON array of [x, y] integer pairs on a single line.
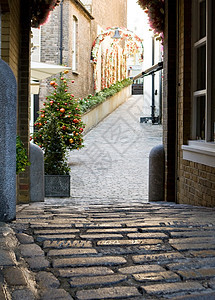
[[141, 269], [198, 263], [52, 237], [147, 235], [14, 276], [173, 288], [123, 292], [97, 280], [88, 261], [105, 225], [55, 294], [86, 271], [193, 246], [147, 249], [24, 238], [6, 258], [67, 244], [72, 252], [205, 273], [30, 250], [55, 231], [203, 253], [24, 294], [199, 296], [49, 226], [2, 292], [100, 236], [46, 280], [128, 242], [190, 233], [166, 276], [112, 230], [157, 257], [37, 263], [194, 240], [211, 284]]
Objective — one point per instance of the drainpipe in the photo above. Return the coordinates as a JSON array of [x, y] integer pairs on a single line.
[[61, 32]]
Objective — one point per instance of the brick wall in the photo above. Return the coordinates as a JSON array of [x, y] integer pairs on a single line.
[[196, 182], [105, 15], [24, 96], [15, 50], [10, 36], [50, 45]]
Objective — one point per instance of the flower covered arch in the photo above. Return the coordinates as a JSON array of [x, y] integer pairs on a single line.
[[110, 55], [131, 39]]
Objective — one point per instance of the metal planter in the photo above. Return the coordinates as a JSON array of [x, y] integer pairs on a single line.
[[57, 185]]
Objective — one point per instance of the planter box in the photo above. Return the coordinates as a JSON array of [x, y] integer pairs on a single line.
[[98, 113], [57, 185]]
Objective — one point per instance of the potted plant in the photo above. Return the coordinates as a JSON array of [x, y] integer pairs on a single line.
[[59, 128]]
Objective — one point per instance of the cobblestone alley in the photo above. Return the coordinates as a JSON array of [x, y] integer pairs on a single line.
[[106, 241]]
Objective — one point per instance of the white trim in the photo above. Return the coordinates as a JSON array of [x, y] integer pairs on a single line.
[[200, 152], [199, 93], [200, 43]]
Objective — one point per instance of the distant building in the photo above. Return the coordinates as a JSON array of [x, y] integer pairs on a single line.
[[68, 36]]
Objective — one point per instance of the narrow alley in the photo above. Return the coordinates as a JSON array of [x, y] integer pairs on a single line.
[[106, 241], [113, 165]]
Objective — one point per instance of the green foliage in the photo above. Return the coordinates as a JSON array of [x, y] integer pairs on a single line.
[[91, 101], [55, 149], [62, 112], [21, 156]]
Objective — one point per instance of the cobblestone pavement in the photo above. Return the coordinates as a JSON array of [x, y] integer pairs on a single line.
[[113, 165], [145, 251], [106, 241]]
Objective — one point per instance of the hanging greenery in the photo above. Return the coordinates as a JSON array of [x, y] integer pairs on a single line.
[[155, 11], [40, 10]]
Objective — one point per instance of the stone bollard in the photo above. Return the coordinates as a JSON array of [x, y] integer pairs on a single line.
[[156, 174], [36, 174], [8, 103]]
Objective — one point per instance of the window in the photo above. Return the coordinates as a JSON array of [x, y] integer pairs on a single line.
[[74, 44], [203, 116], [203, 121]]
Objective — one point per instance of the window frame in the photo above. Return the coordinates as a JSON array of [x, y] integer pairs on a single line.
[[202, 151]]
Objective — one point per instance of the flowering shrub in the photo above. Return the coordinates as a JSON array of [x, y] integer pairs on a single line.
[[91, 101], [155, 11], [59, 127]]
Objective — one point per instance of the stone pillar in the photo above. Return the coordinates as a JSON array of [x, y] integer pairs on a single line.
[[156, 173], [36, 174], [7, 143]]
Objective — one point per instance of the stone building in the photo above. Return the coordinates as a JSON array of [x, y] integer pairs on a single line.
[[68, 36], [189, 106]]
